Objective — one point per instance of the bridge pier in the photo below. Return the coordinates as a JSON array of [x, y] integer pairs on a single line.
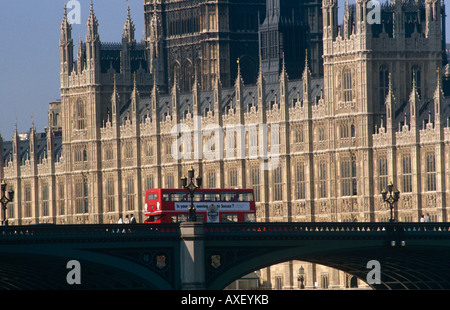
[[192, 251]]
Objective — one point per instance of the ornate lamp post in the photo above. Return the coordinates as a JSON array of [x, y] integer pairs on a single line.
[[5, 200], [191, 187], [391, 199], [300, 277]]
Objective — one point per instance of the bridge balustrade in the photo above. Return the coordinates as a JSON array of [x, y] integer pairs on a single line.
[[167, 231], [85, 232], [268, 228]]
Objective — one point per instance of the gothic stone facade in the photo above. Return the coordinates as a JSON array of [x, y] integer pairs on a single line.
[[378, 114], [204, 38]]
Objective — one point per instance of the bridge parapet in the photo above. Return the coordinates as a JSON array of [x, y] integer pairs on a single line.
[[87, 232], [94, 232], [326, 228], [202, 255]]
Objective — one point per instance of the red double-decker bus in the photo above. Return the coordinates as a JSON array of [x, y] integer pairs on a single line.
[[211, 205]]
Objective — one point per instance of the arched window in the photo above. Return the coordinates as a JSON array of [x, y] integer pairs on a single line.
[[80, 114], [82, 196], [322, 180], [299, 135], [321, 134], [406, 173], [431, 172], [347, 85], [110, 201], [278, 184], [348, 177], [187, 77], [344, 131]]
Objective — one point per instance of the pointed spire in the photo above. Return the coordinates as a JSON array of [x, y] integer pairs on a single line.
[[66, 45], [260, 80], [92, 25], [66, 28], [261, 93], [155, 101], [283, 75], [195, 96], [438, 93], [239, 79], [32, 137], [239, 89], [135, 94], [115, 103], [306, 79], [15, 142], [414, 96], [390, 103], [217, 99], [438, 99], [128, 28], [80, 56], [175, 99], [284, 100], [50, 148], [134, 105], [413, 104]]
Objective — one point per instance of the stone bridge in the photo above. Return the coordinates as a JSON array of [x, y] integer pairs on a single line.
[[211, 256]]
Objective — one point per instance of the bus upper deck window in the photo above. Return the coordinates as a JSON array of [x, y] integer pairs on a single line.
[[228, 197], [165, 197], [245, 197], [178, 197], [212, 197], [198, 196]]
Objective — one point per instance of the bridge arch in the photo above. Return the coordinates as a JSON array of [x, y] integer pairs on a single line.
[[308, 251], [104, 269], [420, 265]]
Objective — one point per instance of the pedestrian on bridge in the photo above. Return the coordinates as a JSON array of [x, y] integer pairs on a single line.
[[132, 219]]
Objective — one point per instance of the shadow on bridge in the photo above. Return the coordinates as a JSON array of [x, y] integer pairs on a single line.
[[411, 256]]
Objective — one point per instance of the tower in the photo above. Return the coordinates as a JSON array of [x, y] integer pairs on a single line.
[[203, 39], [283, 36]]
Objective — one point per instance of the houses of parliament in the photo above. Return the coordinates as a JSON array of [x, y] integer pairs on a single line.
[[355, 105]]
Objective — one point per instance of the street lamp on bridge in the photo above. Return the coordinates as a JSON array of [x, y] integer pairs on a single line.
[[191, 187], [391, 197], [5, 200]]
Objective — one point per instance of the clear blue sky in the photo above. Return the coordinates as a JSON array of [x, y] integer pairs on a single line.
[[29, 52]]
